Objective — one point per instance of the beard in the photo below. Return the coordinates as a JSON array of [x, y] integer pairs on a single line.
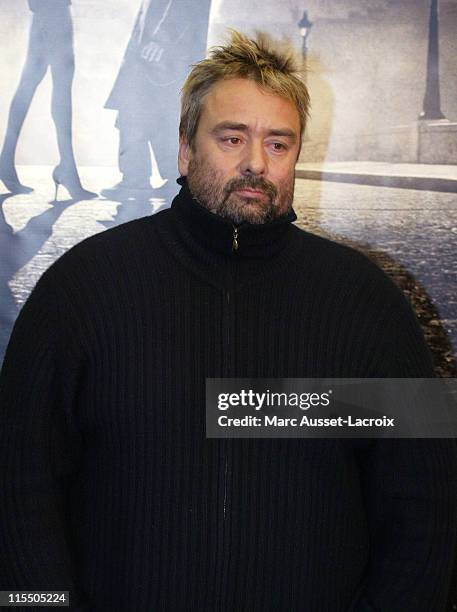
[[208, 188]]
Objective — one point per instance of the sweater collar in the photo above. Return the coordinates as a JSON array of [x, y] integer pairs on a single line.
[[218, 235]]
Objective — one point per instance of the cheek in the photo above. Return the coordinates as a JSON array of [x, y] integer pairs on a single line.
[[284, 177], [222, 169]]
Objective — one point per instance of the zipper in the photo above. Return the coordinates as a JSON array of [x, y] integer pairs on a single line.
[[227, 373], [224, 530], [223, 535], [225, 485], [235, 239], [228, 367]]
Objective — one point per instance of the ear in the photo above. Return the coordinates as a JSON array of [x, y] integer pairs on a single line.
[[184, 155]]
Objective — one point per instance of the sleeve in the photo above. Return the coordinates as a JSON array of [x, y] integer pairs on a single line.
[[410, 494], [165, 25], [155, 20], [40, 450]]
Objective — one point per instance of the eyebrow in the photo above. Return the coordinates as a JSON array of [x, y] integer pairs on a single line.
[[242, 127]]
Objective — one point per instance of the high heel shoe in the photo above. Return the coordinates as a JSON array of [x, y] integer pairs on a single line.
[[10, 179], [70, 180]]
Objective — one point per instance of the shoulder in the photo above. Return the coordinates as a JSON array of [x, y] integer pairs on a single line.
[[362, 304], [109, 257], [128, 240], [330, 252], [343, 267]]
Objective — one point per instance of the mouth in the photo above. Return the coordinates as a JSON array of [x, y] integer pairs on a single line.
[[250, 193]]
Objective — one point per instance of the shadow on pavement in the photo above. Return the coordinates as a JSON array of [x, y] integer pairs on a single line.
[[16, 250]]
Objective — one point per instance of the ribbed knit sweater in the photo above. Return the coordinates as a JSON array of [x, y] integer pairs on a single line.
[[109, 486]]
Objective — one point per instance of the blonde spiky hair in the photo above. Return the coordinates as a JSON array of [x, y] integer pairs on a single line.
[[273, 65]]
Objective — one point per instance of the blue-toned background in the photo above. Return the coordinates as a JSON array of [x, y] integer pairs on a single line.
[[378, 168]]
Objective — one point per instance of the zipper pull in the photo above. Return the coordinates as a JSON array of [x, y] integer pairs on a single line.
[[235, 239]]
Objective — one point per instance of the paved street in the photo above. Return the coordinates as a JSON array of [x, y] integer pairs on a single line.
[[429, 177], [411, 234]]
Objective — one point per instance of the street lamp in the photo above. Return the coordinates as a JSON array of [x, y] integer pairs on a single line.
[[432, 103], [305, 26]]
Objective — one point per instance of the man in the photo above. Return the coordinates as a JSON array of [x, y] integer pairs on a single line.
[[167, 37], [109, 486]]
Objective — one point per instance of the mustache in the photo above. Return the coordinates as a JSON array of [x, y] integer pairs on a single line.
[[251, 182]]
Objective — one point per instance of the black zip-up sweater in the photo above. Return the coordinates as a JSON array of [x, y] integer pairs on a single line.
[[109, 487]]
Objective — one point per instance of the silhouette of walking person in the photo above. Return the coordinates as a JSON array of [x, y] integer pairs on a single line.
[[50, 45], [168, 36]]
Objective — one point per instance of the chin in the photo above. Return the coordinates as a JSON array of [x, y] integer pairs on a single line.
[[248, 209], [250, 216]]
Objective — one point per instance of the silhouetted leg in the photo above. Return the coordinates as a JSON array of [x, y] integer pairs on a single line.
[[134, 155], [32, 74], [166, 154], [62, 70], [61, 110], [164, 133]]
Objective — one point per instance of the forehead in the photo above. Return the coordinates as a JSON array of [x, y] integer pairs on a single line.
[[243, 101]]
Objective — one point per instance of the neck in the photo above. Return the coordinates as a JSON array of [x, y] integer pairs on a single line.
[[227, 256], [224, 237]]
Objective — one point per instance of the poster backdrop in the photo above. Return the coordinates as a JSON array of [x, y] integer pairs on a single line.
[[89, 107]]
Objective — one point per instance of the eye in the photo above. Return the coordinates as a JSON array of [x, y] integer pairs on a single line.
[[234, 140], [279, 146]]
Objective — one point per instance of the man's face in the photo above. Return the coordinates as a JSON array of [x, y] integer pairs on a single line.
[[242, 162]]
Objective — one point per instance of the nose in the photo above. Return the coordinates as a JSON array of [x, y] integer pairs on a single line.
[[254, 161]]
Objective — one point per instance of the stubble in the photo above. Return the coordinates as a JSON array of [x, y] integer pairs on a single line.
[[207, 186]]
